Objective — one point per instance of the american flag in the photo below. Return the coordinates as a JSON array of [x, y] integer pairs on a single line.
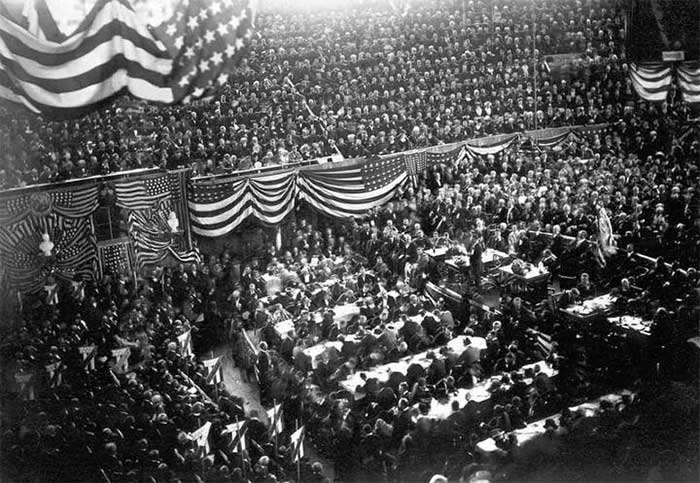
[[297, 443], [74, 253], [149, 203], [142, 194], [152, 236], [218, 208], [448, 157], [377, 173], [215, 370], [121, 359], [88, 353], [415, 165], [72, 202], [201, 437], [276, 421], [55, 371], [352, 188], [238, 432], [207, 38], [35, 17], [184, 344], [186, 58], [115, 258]]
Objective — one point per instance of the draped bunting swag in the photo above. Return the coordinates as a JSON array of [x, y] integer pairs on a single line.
[[64, 214], [653, 81], [215, 207]]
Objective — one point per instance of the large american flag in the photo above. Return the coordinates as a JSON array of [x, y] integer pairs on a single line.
[[65, 215], [216, 208], [23, 267], [74, 202], [149, 203], [415, 165], [447, 157], [352, 189], [115, 257], [140, 193], [112, 51], [345, 189]]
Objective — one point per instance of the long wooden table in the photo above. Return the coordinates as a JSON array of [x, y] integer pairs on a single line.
[[442, 408], [381, 373], [588, 409]]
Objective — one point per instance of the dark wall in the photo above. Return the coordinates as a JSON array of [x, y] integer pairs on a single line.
[[657, 25]]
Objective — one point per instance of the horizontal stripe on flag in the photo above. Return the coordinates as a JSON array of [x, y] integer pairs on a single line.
[[111, 17]]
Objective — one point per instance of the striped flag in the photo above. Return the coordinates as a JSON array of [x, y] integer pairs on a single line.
[[150, 203], [74, 252], [121, 355], [351, 189], [114, 51], [297, 443], [35, 17], [206, 38], [276, 422], [652, 82], [238, 432], [25, 381], [491, 145], [454, 156], [201, 437], [415, 165], [55, 371], [217, 208], [142, 194], [115, 257], [68, 202], [88, 353], [689, 81], [184, 344], [215, 370]]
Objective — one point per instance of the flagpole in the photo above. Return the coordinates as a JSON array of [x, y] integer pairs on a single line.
[[534, 57], [216, 384], [274, 422], [298, 451], [243, 458]]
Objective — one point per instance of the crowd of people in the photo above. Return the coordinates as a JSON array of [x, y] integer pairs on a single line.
[[311, 321], [359, 78], [137, 424]]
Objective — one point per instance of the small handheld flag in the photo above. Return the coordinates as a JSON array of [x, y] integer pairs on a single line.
[[201, 437], [121, 364], [184, 344], [275, 417], [88, 353], [238, 432], [298, 444], [214, 369]]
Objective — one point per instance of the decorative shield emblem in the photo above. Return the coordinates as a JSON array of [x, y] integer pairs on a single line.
[[40, 203]]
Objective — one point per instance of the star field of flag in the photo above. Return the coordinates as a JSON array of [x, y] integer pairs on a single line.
[[115, 258], [206, 38], [446, 157], [211, 193], [78, 202], [142, 194], [74, 250], [377, 173], [415, 163]]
